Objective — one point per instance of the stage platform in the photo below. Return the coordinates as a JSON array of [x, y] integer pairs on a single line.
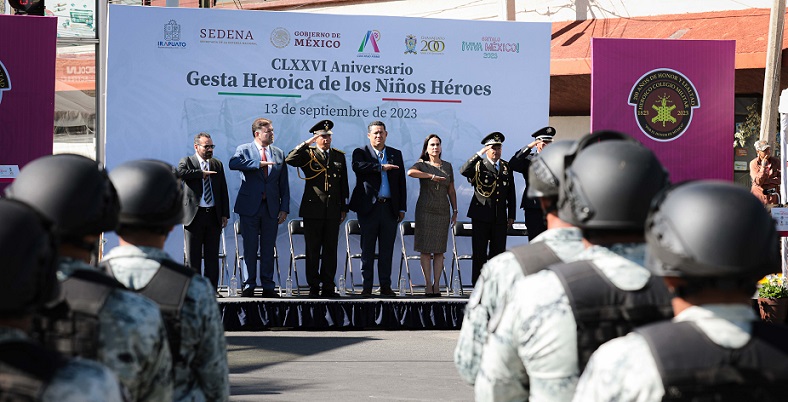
[[350, 312]]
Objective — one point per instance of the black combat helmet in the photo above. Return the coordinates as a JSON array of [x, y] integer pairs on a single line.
[[72, 191], [711, 229], [28, 267], [547, 170], [610, 180], [150, 194]]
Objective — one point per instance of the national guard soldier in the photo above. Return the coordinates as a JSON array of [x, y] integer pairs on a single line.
[[710, 241], [151, 204], [560, 242], [323, 205], [492, 207], [534, 217], [557, 317], [99, 319], [28, 280]]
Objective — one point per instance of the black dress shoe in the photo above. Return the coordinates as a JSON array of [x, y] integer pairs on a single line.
[[330, 293], [366, 293], [386, 291], [270, 293], [248, 292], [314, 292]]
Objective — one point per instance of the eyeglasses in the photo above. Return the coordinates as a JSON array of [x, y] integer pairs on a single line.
[[207, 146]]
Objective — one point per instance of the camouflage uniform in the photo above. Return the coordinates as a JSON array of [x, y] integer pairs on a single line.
[[492, 291], [132, 341], [79, 380], [202, 374], [537, 329], [624, 369]]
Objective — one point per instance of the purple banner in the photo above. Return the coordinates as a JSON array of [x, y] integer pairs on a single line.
[[27, 88], [674, 96]]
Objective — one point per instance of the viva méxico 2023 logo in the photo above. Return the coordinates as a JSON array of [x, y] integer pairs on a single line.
[[664, 100]]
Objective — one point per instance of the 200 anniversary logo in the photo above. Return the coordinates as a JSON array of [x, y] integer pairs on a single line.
[[664, 100]]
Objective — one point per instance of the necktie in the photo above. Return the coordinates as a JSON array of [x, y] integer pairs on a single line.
[[380, 157], [207, 193], [265, 167]]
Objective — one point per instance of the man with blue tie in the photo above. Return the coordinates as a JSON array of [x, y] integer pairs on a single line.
[[380, 200], [206, 206], [263, 203]]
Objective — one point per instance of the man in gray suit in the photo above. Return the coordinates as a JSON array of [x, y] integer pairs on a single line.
[[263, 203], [206, 205]]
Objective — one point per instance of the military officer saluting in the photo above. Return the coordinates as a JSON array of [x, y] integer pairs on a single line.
[[323, 206], [493, 205]]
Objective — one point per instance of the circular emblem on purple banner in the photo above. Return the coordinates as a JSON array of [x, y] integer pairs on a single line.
[[663, 100]]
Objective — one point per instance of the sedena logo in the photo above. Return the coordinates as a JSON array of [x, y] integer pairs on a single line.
[[370, 41]]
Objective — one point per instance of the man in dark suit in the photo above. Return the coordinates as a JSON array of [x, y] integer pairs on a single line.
[[206, 205], [534, 216], [263, 203], [380, 200], [323, 206], [492, 207]]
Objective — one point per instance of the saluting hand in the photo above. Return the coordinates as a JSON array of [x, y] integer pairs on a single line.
[[206, 173], [388, 166]]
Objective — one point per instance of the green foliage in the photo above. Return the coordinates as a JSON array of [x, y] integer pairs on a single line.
[[773, 288], [750, 127]]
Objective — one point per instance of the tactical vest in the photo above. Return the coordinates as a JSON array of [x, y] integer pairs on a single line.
[[167, 288], [72, 327], [535, 257], [532, 258], [603, 311], [26, 370], [694, 368]]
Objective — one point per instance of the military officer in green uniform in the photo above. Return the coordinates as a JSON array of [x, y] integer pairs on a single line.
[[494, 200], [323, 206]]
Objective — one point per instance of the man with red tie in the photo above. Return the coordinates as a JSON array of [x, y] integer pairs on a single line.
[[263, 203]]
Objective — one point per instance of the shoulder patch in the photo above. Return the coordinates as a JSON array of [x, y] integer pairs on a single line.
[[338, 150]]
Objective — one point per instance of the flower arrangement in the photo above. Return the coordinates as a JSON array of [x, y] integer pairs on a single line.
[[772, 287]]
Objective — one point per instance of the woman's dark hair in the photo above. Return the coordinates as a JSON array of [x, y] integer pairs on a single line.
[[424, 155]]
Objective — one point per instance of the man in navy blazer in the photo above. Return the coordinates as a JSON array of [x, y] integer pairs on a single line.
[[380, 201], [263, 203]]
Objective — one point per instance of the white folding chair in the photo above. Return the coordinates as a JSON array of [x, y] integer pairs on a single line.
[[295, 228], [461, 229], [407, 228], [352, 230]]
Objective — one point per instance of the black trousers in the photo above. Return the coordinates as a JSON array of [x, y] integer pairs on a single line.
[[321, 237], [487, 241], [534, 221], [202, 243], [379, 227]]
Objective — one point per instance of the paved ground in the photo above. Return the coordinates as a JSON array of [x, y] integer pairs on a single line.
[[344, 366]]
